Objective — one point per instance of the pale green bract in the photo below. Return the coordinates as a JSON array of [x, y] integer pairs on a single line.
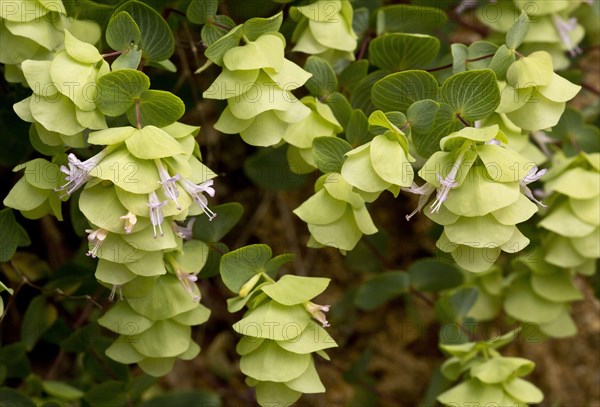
[[555, 30], [278, 328], [336, 215], [478, 185], [257, 81], [573, 219], [325, 29], [488, 377], [35, 30]]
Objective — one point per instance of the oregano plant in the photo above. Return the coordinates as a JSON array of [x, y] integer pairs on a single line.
[[428, 165]]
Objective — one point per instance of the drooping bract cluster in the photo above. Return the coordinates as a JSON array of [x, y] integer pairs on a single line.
[[281, 328], [479, 198], [35, 30], [257, 81], [325, 29], [556, 30], [490, 377], [574, 215]]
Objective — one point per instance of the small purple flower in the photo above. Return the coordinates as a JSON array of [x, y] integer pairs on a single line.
[[168, 183], [197, 194]]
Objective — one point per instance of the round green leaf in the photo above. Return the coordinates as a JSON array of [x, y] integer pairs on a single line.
[[157, 40], [117, 91], [400, 90], [472, 94]]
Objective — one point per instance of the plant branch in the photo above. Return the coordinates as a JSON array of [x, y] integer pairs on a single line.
[[441, 68]]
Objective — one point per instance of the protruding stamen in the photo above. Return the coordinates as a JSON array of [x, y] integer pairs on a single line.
[[97, 238], [130, 221], [168, 183], [318, 312], [156, 213], [197, 191]]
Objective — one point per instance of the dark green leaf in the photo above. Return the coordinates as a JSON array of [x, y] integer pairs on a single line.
[[400, 90], [575, 135], [82, 338], [199, 10], [380, 289], [37, 319], [108, 394], [215, 28], [434, 275], [453, 308], [409, 19], [446, 122], [157, 40], [501, 61], [117, 91], [228, 215], [400, 52], [211, 267], [329, 153], [269, 168], [361, 96], [421, 115], [122, 32], [354, 73], [518, 32], [357, 131], [12, 235], [324, 81], [217, 49], [340, 107], [10, 397], [472, 94], [239, 266]]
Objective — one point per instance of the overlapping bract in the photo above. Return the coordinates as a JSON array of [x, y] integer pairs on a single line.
[[131, 201], [479, 199], [34, 29], [300, 135], [281, 329], [488, 377], [540, 293], [325, 29], [534, 97], [555, 29], [573, 219], [384, 162], [154, 314], [34, 195], [64, 93], [257, 81], [336, 215]]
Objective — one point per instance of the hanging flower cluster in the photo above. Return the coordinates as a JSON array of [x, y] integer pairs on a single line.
[[64, 92], [281, 327], [534, 96], [481, 194], [336, 215], [257, 81], [488, 377], [35, 30], [325, 29], [556, 30], [574, 218], [300, 135]]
